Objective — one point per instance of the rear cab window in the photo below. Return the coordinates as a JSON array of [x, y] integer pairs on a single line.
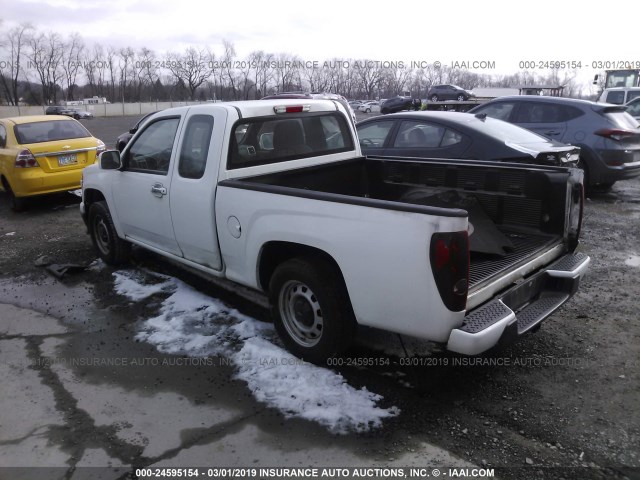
[[274, 139]]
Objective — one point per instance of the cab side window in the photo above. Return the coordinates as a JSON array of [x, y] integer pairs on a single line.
[[195, 146], [151, 151]]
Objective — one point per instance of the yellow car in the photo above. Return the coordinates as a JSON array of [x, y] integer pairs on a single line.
[[43, 154]]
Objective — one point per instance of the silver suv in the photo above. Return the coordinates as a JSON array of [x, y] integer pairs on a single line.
[[608, 137]]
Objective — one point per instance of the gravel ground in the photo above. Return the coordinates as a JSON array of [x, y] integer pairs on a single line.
[[561, 403]]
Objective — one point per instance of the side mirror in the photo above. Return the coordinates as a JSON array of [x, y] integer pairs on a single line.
[[595, 79], [110, 160]]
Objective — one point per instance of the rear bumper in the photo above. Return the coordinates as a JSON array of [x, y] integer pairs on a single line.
[[34, 181], [617, 165], [521, 308]]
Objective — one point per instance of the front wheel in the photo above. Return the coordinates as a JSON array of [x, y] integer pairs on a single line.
[[368, 110], [311, 309], [434, 98], [111, 248], [461, 98]]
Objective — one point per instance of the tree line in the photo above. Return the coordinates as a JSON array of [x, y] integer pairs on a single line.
[[44, 68]]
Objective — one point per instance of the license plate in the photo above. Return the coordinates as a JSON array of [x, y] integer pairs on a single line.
[[70, 159]]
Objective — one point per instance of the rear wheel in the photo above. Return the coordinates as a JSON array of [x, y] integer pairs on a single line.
[[434, 98], [461, 98], [368, 110], [111, 248], [17, 204], [311, 309]]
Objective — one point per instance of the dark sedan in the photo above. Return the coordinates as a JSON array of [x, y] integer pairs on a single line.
[[396, 104], [459, 136], [124, 138]]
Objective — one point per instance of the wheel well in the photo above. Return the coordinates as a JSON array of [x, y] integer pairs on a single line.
[[92, 196], [275, 253], [5, 183]]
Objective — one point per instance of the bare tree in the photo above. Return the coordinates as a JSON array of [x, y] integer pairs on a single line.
[[147, 72], [192, 69], [72, 61], [228, 66], [369, 76], [125, 64], [16, 41], [111, 67], [46, 53]]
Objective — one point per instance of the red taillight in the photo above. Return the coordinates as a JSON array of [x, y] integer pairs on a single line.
[[442, 254], [617, 134], [450, 265], [101, 148], [25, 159], [292, 108]]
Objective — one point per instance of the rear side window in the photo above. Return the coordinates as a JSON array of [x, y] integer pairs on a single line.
[[419, 134], [531, 112], [288, 137], [49, 131], [195, 146]]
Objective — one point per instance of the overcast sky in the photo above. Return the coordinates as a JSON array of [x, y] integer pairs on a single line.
[[460, 31]]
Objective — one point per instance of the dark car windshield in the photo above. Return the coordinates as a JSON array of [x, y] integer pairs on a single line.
[[48, 131]]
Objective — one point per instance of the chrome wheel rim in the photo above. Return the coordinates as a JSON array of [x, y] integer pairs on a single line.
[[301, 313]]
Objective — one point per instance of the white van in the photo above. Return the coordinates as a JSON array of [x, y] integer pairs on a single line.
[[619, 95]]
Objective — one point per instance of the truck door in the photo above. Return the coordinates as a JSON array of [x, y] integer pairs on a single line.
[[142, 192], [193, 188]]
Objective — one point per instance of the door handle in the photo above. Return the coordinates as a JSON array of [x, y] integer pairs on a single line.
[[158, 190], [552, 132]]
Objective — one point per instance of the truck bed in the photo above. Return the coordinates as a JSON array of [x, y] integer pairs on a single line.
[[521, 208]]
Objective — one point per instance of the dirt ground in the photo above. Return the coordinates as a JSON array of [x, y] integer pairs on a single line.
[[561, 403]]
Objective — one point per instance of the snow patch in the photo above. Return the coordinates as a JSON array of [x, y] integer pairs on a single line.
[[193, 324], [633, 261], [129, 284]]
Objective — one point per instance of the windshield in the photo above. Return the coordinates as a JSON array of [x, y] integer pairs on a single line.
[[49, 131]]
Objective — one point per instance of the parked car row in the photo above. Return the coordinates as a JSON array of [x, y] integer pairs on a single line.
[[76, 113], [602, 139]]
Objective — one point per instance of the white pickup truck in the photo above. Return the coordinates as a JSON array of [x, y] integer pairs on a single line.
[[274, 195]]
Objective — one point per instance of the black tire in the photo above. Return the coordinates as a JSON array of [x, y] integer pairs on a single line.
[[311, 309], [17, 204], [384, 111], [111, 248], [586, 181], [368, 110], [434, 98]]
